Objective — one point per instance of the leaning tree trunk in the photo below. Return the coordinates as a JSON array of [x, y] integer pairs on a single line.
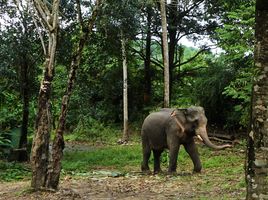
[[40, 147], [58, 143], [165, 53], [257, 149], [125, 90]]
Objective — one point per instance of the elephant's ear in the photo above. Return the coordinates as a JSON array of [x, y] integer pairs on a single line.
[[192, 114]]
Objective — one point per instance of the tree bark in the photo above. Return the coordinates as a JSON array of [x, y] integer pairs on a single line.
[[257, 147], [40, 147], [165, 53], [125, 89], [53, 175]]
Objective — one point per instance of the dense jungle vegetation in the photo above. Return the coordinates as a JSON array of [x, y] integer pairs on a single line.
[[220, 82]]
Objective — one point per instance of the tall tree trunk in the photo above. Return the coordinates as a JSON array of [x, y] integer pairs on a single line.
[[58, 143], [125, 90], [257, 149], [23, 156], [40, 147], [165, 52], [172, 31], [147, 62]]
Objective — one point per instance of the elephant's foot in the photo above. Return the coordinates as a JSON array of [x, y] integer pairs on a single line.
[[172, 172], [197, 170], [157, 171], [145, 169], [146, 172]]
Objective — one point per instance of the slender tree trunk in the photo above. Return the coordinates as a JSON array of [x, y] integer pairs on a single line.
[[40, 147], [165, 53], [147, 62], [172, 31], [58, 143], [125, 91], [257, 149], [23, 156]]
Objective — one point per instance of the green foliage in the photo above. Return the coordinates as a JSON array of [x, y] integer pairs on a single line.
[[237, 33], [11, 109], [5, 143], [208, 89], [91, 130], [240, 90], [3, 140], [11, 171]]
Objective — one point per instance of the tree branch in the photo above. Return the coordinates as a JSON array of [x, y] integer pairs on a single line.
[[43, 12], [192, 58], [79, 14]]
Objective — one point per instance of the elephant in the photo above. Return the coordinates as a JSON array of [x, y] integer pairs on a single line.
[[168, 129]]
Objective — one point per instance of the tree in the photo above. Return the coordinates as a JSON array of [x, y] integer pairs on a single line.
[[49, 17], [53, 175], [125, 90], [257, 155], [165, 52]]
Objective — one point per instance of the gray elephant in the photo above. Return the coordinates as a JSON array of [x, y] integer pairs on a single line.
[[170, 128]]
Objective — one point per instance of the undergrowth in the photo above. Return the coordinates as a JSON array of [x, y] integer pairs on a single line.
[[11, 171]]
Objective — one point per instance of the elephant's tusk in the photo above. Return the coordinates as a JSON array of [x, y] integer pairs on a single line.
[[199, 137]]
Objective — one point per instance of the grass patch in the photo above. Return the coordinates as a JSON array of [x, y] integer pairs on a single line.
[[120, 158]]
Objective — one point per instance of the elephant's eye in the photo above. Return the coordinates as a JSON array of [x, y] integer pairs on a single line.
[[195, 124]]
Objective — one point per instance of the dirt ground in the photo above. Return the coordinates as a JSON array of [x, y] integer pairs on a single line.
[[135, 186]]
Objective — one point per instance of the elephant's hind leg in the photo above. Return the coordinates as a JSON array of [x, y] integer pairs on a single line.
[[146, 155], [157, 154]]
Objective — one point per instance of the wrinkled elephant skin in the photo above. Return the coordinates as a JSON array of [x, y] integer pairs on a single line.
[[170, 128]]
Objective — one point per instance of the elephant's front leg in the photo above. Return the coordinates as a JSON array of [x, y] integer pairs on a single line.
[[173, 156], [191, 149]]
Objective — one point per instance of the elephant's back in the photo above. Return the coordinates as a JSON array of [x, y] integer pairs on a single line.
[[153, 130], [155, 120]]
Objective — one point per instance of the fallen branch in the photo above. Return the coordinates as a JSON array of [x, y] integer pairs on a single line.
[[220, 140], [221, 136]]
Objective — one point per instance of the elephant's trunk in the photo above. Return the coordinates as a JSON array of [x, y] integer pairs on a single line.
[[203, 134]]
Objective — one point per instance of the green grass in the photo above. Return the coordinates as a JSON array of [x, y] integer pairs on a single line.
[[112, 157], [224, 165]]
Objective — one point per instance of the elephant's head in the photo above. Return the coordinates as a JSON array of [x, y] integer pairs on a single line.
[[196, 116]]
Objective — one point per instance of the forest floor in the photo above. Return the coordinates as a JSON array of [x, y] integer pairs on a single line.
[[220, 181]]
